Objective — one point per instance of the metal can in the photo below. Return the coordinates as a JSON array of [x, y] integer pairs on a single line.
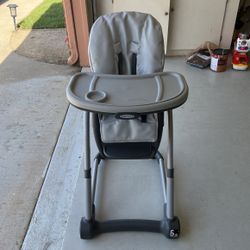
[[219, 59]]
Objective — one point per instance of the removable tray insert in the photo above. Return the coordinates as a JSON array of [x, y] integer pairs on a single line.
[[104, 93]]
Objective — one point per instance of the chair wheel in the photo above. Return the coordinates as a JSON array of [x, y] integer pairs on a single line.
[[171, 228]]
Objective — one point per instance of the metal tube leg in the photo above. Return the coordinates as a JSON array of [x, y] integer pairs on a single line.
[[94, 176], [163, 177], [170, 169], [87, 171]]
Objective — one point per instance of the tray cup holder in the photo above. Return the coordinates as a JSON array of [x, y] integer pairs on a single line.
[[96, 96]]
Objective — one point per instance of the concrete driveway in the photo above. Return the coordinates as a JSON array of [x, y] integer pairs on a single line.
[[32, 110]]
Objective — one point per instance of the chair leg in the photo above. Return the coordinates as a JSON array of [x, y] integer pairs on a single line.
[[163, 176], [94, 172], [171, 225], [87, 222], [170, 169], [87, 171]]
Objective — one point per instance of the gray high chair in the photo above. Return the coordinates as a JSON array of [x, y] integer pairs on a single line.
[[127, 95]]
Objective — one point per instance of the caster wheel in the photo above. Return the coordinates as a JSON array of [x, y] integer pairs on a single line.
[[171, 228], [86, 229]]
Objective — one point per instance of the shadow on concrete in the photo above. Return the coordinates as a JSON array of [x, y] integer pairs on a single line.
[[3, 1], [33, 106], [46, 45]]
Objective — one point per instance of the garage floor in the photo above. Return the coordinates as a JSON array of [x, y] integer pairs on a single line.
[[212, 155]]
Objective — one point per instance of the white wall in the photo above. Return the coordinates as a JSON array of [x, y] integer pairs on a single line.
[[229, 22], [104, 7], [187, 40]]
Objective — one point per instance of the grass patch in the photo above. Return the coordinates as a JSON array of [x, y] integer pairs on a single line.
[[49, 14]]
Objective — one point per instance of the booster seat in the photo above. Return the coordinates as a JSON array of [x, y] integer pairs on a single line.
[[127, 94]]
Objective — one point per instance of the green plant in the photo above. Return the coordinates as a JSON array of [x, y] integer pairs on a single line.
[[49, 14]]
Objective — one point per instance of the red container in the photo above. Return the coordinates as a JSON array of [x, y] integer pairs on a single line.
[[240, 60]]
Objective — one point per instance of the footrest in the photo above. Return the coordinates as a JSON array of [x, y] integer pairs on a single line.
[[169, 228]]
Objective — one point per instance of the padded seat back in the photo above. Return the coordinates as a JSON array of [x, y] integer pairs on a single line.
[[126, 43]]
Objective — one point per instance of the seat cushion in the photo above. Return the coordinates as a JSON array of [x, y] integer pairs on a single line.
[[119, 131]]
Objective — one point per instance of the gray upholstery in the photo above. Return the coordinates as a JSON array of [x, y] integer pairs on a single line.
[[127, 33], [116, 130]]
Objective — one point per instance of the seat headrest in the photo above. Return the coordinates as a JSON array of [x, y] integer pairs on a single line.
[[120, 41]]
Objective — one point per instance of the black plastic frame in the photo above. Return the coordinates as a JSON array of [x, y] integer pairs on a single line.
[[169, 228]]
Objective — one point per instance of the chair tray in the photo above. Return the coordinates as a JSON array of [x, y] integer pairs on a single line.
[[104, 93]]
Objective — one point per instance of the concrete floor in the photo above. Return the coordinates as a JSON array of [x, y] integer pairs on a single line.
[[31, 118], [212, 155], [32, 107]]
